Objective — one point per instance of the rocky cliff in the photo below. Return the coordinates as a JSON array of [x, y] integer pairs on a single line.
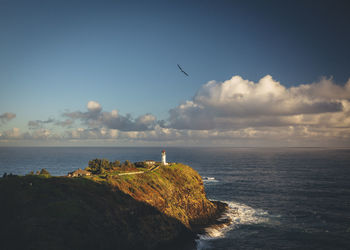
[[176, 190]]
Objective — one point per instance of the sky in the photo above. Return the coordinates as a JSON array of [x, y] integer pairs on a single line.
[[104, 73]]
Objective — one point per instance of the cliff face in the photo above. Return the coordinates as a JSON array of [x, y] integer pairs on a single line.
[[176, 191], [154, 210]]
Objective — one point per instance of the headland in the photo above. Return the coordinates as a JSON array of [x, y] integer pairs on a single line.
[[109, 205]]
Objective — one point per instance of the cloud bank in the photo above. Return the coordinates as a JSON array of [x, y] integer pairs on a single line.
[[94, 118], [235, 112], [239, 103], [39, 123], [5, 117]]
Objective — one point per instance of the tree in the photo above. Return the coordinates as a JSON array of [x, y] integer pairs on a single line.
[[95, 166], [105, 164], [116, 164], [98, 166], [30, 173], [44, 172], [127, 165]]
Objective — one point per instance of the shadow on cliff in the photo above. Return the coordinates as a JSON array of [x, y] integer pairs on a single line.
[[37, 212]]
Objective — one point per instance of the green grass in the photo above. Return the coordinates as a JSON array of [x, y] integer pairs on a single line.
[[175, 190]]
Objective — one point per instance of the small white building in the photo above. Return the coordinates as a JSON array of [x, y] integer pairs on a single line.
[[149, 162], [164, 158]]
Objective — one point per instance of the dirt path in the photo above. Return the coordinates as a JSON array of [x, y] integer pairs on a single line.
[[154, 168], [130, 173]]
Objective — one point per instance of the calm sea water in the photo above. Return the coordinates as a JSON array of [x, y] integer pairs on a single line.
[[289, 198]]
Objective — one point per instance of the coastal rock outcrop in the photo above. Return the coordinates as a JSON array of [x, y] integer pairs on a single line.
[[176, 190]]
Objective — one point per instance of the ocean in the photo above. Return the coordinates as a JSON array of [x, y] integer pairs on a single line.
[[279, 198]]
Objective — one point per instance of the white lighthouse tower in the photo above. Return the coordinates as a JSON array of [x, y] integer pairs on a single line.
[[164, 158]]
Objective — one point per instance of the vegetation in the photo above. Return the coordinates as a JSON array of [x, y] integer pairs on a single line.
[[175, 190], [44, 172], [103, 166], [158, 209]]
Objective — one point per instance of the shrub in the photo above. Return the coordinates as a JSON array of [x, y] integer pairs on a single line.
[[99, 166], [44, 172], [116, 164], [127, 165], [30, 173]]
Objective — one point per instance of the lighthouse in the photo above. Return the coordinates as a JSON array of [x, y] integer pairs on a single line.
[[164, 158]]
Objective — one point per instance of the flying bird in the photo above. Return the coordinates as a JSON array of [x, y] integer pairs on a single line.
[[182, 70]]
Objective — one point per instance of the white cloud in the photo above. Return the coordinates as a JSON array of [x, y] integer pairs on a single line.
[[11, 134], [114, 113], [147, 119], [234, 112], [40, 134], [94, 106], [325, 89], [95, 119], [238, 103], [15, 134]]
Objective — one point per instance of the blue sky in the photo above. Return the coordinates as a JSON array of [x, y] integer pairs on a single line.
[[57, 56]]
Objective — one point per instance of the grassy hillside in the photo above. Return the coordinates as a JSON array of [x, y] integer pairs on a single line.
[[176, 190], [154, 210]]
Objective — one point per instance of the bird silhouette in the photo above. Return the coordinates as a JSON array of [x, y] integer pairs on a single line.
[[182, 70]]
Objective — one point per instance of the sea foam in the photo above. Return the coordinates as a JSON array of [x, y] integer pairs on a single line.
[[207, 179], [237, 214]]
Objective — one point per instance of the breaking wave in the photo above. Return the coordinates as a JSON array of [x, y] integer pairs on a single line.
[[207, 179], [237, 214]]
